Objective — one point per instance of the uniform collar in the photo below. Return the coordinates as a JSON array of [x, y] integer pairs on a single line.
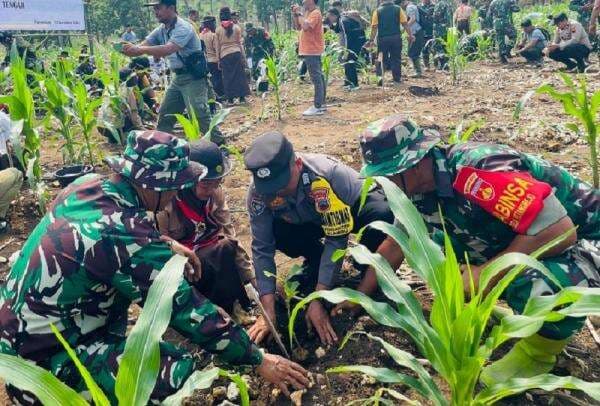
[[442, 176]]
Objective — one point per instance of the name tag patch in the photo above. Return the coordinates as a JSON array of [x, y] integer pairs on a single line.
[[336, 216], [515, 198]]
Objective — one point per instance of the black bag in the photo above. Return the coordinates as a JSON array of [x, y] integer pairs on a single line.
[[545, 33], [195, 64]]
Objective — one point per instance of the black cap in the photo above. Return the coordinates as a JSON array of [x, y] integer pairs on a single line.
[[210, 155], [209, 19], [269, 158], [526, 23], [165, 2]]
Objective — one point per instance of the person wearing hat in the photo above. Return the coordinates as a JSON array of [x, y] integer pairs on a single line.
[[494, 200], [96, 252], [259, 45], [294, 201], [199, 218], [533, 43], [209, 38], [178, 42], [571, 44]]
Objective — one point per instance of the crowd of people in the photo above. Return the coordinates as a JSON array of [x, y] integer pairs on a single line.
[[105, 238]]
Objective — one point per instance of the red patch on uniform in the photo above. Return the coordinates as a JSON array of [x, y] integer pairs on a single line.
[[515, 198], [321, 198]]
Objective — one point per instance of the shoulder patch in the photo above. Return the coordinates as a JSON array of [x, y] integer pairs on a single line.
[[515, 198], [336, 216], [257, 206]]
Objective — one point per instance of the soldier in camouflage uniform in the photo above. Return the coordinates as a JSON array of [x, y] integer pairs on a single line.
[[494, 200], [258, 45], [501, 15], [96, 252], [442, 20], [583, 8]]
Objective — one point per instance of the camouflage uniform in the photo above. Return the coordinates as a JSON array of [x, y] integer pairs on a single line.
[[442, 20], [501, 15], [95, 253], [478, 234], [259, 45], [583, 16]]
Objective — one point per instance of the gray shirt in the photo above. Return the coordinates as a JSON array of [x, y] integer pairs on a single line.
[[412, 12], [538, 35], [305, 207], [129, 37], [181, 34]]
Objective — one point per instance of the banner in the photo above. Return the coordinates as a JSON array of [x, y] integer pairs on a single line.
[[42, 15]]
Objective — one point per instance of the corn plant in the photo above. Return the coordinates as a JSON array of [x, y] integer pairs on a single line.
[[460, 134], [455, 339], [57, 103], [485, 45], [139, 365], [583, 108], [85, 108], [457, 62], [275, 78]]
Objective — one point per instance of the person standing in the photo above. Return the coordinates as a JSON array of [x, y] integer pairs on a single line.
[[311, 46], [426, 16], [177, 41], [442, 20], [583, 8], [533, 44], [208, 36], [352, 39], [571, 43], [232, 58], [414, 24], [501, 14], [462, 17], [386, 25], [129, 35]]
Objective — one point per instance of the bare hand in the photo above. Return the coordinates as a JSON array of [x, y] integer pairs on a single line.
[[346, 307], [193, 269], [259, 331], [131, 50], [411, 39], [319, 319], [283, 372], [475, 270]]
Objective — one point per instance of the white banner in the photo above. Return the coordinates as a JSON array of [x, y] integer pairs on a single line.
[[42, 15]]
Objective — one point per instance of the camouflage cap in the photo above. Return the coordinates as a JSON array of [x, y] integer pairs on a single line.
[[394, 144], [158, 161]]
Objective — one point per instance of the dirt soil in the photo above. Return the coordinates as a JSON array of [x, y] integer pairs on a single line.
[[487, 90]]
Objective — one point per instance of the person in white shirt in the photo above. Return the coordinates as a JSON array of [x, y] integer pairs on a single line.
[[571, 43]]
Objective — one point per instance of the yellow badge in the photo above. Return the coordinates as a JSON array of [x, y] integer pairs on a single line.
[[336, 216]]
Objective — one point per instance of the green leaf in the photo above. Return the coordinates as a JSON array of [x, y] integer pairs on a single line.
[[197, 380], [364, 193], [29, 377], [98, 395], [242, 386], [546, 382], [384, 375], [141, 359]]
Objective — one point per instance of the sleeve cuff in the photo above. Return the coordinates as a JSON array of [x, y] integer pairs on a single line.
[[552, 213]]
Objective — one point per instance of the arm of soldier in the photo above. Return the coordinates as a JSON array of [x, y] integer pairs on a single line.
[[551, 223]]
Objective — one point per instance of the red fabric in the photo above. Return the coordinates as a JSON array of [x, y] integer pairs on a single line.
[[196, 218], [515, 198], [226, 24]]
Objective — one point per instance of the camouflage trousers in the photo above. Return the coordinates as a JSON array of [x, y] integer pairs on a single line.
[[579, 266], [506, 36], [102, 358]]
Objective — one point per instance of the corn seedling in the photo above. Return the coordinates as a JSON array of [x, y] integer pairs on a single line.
[[57, 103], [460, 134], [275, 78], [191, 125], [457, 62], [521, 104], [485, 45], [139, 365], [85, 109], [455, 338], [583, 108]]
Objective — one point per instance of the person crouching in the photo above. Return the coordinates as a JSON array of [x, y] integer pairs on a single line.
[[200, 219]]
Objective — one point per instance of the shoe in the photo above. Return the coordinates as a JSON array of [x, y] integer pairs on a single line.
[[351, 88], [313, 111], [4, 226]]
